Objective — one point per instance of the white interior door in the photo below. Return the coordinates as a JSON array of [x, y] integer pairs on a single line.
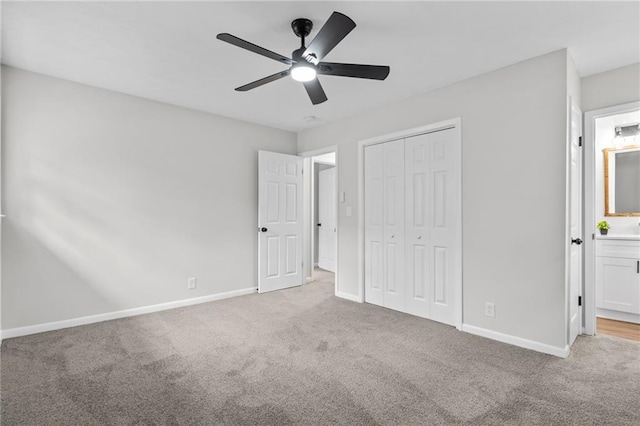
[[373, 224], [417, 178], [575, 214], [393, 225], [279, 221], [444, 214], [327, 219]]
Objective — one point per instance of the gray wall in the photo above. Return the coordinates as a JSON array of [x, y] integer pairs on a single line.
[[113, 201], [615, 87], [513, 190]]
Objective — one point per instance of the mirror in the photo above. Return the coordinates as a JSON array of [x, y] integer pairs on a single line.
[[622, 181]]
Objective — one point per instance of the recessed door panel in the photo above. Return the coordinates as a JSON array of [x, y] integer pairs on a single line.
[[419, 283], [291, 202], [440, 275], [439, 199], [392, 266], [291, 244], [273, 202], [273, 256], [419, 200], [375, 260]]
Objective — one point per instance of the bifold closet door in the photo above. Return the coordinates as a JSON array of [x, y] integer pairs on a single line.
[[373, 224], [432, 182], [417, 178], [384, 224]]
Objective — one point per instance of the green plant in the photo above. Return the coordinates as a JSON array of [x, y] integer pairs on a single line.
[[603, 225]]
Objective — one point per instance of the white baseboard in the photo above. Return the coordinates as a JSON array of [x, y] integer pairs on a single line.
[[348, 296], [74, 322], [517, 341], [618, 315]]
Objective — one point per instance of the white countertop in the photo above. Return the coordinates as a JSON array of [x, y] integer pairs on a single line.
[[629, 237]]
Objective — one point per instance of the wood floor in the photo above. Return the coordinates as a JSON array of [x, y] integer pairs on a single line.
[[626, 330]]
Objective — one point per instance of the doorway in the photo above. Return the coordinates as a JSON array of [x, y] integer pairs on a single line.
[[612, 271], [320, 211]]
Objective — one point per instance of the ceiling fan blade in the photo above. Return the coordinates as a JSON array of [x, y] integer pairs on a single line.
[[373, 72], [334, 30], [253, 48], [315, 91], [262, 81]]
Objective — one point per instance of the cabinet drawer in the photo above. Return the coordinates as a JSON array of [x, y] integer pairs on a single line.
[[618, 248]]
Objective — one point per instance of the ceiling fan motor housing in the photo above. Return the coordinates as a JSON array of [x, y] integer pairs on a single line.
[[301, 27]]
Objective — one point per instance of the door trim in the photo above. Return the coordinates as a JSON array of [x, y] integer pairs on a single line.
[[308, 250], [454, 123], [589, 201]]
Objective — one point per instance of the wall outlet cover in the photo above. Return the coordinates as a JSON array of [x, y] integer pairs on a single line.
[[191, 283], [490, 309]]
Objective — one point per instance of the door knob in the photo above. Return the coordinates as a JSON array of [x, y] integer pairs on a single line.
[[319, 224], [263, 229], [419, 237], [576, 241], [392, 235]]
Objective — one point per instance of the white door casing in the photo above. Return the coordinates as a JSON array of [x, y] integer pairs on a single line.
[[575, 217], [279, 221], [327, 219]]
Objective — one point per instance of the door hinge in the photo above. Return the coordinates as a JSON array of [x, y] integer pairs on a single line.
[[579, 300], [593, 236], [579, 140]]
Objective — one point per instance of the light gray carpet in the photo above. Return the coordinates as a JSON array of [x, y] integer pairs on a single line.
[[303, 356]]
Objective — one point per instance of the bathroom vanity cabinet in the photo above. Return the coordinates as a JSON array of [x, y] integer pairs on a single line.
[[618, 277]]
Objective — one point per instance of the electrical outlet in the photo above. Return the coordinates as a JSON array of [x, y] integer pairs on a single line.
[[490, 309], [191, 283]]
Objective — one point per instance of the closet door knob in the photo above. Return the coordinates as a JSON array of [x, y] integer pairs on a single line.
[[392, 235], [419, 237]]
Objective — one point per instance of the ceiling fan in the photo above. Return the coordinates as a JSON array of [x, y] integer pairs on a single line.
[[305, 61]]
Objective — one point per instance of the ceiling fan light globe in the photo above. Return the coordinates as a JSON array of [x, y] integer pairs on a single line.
[[303, 73]]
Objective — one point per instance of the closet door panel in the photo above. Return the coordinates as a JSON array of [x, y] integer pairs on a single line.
[[443, 228], [417, 162], [394, 289], [374, 277]]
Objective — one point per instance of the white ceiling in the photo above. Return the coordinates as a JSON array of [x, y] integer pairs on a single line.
[[168, 51]]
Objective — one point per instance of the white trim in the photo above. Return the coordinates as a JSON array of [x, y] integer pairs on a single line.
[[311, 154], [74, 322], [517, 341], [348, 296], [320, 151], [454, 123], [618, 315], [589, 222]]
